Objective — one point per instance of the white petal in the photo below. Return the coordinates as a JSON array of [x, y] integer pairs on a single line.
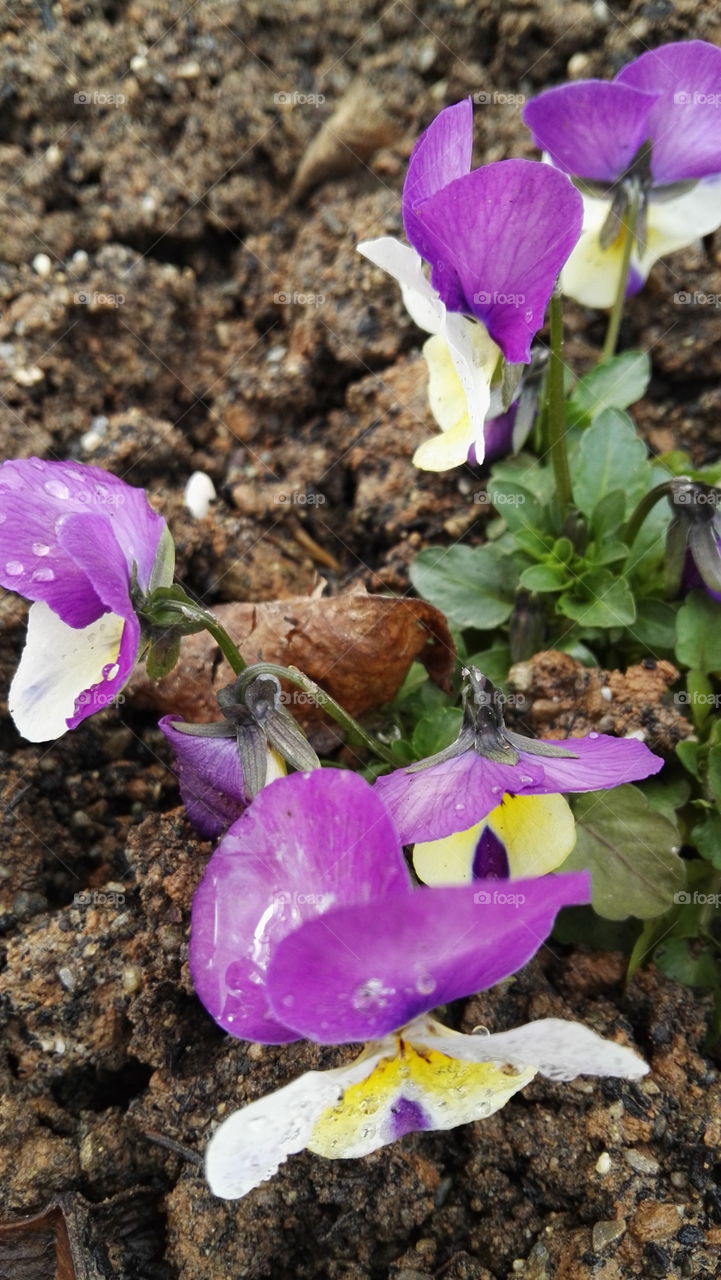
[[672, 224], [406, 266], [252, 1143], [475, 356], [57, 664], [558, 1049], [591, 273]]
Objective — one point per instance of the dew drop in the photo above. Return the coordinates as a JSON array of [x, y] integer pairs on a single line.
[[425, 985], [593, 735], [526, 778], [480, 1030], [43, 575], [370, 994], [14, 568], [57, 489], [496, 790], [459, 808], [3, 517], [288, 1001], [40, 548], [110, 672]]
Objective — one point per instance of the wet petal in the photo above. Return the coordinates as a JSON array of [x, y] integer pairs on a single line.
[[497, 239], [60, 676], [535, 834], [306, 843], [558, 1049], [357, 973], [684, 122], [598, 761], [591, 129]]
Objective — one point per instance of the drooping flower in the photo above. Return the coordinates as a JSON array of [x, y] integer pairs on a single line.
[[84, 547], [693, 541], [652, 135], [457, 788], [306, 924], [495, 239]]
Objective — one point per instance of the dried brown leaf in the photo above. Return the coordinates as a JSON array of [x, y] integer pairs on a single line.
[[359, 126]]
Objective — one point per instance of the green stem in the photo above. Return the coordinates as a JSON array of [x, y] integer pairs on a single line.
[[629, 233], [321, 699], [229, 650], [556, 409], [167, 603], [645, 506]]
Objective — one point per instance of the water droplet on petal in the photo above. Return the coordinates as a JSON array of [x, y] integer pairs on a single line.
[[526, 778], [370, 995], [40, 548], [288, 1001], [110, 672], [459, 808], [426, 984], [57, 489], [480, 1030], [14, 568], [43, 575], [593, 735], [496, 790], [3, 517]]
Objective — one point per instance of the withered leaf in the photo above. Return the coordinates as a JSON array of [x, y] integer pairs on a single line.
[[37, 1248], [359, 126], [358, 648]]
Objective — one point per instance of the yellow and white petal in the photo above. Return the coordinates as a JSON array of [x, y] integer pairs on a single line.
[[537, 833], [417, 1088], [57, 664], [253, 1142], [446, 396], [275, 766], [591, 274], [673, 224], [445, 451], [558, 1049], [475, 357], [421, 300]]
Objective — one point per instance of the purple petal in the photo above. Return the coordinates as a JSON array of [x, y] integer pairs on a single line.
[[441, 154], [359, 973], [590, 129], [307, 842], [497, 239], [99, 696], [210, 778], [36, 498], [458, 793], [685, 123], [498, 435]]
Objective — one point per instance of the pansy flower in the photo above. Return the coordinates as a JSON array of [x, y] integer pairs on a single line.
[[495, 239], [651, 135], [457, 788], [81, 545], [693, 541], [306, 924]]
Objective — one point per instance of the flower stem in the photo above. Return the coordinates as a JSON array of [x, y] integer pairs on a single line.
[[629, 234], [556, 408], [645, 506], [227, 647], [321, 699]]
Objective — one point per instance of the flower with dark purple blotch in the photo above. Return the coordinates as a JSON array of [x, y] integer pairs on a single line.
[[457, 788], [651, 134], [84, 547], [495, 239], [306, 924]]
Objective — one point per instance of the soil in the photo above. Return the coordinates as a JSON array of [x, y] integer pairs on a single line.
[[180, 291]]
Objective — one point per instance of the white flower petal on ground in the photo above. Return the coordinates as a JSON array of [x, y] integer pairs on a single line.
[[58, 664]]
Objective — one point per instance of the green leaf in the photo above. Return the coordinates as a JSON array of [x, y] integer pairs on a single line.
[[688, 753], [493, 662], [543, 577], [698, 632], [609, 514], [610, 457], [581, 924], [631, 850], [655, 624], [615, 384], [685, 962], [651, 933], [609, 552], [700, 697], [162, 655], [526, 471], [436, 731], [706, 836], [536, 545], [667, 792], [518, 507], [606, 601], [714, 773], [473, 586]]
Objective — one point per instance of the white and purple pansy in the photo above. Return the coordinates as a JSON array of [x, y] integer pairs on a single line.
[[495, 239], [307, 924], [656, 126], [77, 542]]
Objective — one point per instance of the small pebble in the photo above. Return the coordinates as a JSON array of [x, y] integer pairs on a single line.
[[199, 493], [603, 1164], [606, 1232], [67, 978], [640, 1162], [42, 264]]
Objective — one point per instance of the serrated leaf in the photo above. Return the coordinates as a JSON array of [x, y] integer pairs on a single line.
[[610, 457], [631, 851], [698, 632], [473, 586], [615, 384]]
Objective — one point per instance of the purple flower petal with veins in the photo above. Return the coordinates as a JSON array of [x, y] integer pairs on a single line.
[[210, 777], [431, 803], [683, 123], [71, 538], [306, 922], [591, 128]]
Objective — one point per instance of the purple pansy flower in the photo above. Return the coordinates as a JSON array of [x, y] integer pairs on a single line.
[[495, 239], [306, 923], [693, 540], [74, 540], [456, 789], [654, 126]]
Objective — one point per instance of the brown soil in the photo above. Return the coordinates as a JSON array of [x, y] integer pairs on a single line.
[[154, 338]]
